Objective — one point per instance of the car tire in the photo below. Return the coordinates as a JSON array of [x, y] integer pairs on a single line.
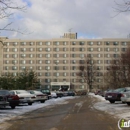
[[13, 107], [128, 103], [30, 103], [42, 101], [111, 101]]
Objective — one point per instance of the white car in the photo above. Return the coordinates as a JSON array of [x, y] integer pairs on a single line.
[[24, 96], [39, 95], [53, 94], [125, 97]]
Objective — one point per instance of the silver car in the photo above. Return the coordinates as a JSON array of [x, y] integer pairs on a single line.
[[24, 96]]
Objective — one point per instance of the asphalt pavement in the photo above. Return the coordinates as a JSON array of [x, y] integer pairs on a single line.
[[74, 114]]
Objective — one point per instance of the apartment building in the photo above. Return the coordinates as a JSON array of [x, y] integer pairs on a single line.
[[56, 60]]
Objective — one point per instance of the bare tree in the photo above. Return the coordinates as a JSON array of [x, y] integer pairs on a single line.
[[88, 71], [7, 8], [122, 6]]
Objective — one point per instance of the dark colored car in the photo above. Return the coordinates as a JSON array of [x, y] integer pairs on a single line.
[[116, 94], [12, 99], [69, 93], [3, 101], [45, 91]]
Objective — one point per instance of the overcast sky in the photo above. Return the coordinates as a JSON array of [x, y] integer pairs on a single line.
[[51, 18]]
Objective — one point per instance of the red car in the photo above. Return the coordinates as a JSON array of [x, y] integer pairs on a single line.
[[12, 99], [116, 94]]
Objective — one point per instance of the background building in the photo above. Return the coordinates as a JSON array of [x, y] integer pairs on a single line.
[[57, 60]]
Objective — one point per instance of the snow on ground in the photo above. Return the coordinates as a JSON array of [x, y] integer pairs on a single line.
[[8, 113], [117, 109]]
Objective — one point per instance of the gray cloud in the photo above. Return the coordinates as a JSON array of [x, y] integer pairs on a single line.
[[91, 19]]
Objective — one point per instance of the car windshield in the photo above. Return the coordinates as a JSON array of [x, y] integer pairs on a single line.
[[45, 91], [3, 93]]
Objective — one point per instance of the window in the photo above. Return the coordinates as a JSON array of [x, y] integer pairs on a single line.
[[6, 67], [107, 43], [81, 61], [48, 61], [73, 49], [56, 55], [23, 49], [98, 43], [40, 49], [48, 55], [64, 67], [64, 74], [47, 74], [73, 61], [81, 43], [7, 55], [98, 68], [115, 55], [73, 67], [40, 61], [57, 43], [23, 68], [108, 55], [64, 43], [74, 80], [48, 49], [73, 55], [39, 67], [14, 68], [40, 55], [47, 67], [15, 43], [31, 49], [15, 49], [90, 43], [73, 74], [99, 49], [23, 55], [108, 61], [81, 49], [56, 61], [31, 61], [90, 55], [14, 55], [115, 43], [64, 61], [23, 43], [48, 43], [116, 49], [99, 55], [7, 49], [107, 49], [23, 62], [40, 43], [31, 55], [56, 67], [124, 49], [39, 74], [73, 43], [47, 80], [64, 49], [98, 61], [31, 43], [64, 55], [14, 61], [7, 62], [56, 74], [124, 43], [82, 55], [90, 49], [56, 49], [30, 67]]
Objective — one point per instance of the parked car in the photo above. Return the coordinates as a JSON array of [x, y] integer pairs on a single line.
[[45, 91], [3, 101], [59, 94], [125, 97], [71, 93], [116, 94], [39, 95], [12, 99], [24, 96], [53, 94]]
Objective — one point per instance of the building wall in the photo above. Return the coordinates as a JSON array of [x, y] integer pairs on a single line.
[[57, 60]]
